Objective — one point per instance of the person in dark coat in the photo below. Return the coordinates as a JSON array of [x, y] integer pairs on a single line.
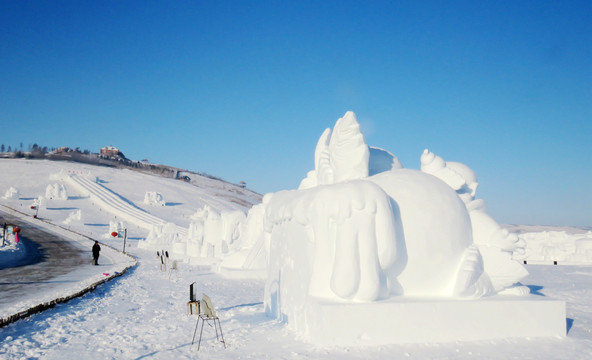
[[96, 249]]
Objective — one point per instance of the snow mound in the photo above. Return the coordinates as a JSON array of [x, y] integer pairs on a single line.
[[12, 252], [154, 198], [75, 218], [12, 194]]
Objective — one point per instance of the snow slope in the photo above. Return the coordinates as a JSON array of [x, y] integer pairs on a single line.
[[114, 204], [118, 195]]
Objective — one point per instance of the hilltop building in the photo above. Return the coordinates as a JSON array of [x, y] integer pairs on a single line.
[[111, 152]]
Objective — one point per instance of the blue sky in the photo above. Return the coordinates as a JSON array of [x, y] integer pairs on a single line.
[[242, 90]]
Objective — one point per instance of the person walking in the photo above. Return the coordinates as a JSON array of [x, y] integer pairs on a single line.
[[96, 249]]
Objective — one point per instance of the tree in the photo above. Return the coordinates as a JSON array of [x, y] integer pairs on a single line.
[[2, 148], [9, 149]]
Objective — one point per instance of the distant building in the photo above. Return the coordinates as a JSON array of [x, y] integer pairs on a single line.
[[63, 149], [111, 152]]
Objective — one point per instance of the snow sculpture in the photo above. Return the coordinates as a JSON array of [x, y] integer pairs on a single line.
[[545, 247], [12, 194], [39, 203], [213, 233], [495, 244], [56, 191], [351, 255], [195, 239], [340, 155], [161, 236], [252, 245], [232, 224], [75, 218], [115, 227], [361, 228], [154, 198]]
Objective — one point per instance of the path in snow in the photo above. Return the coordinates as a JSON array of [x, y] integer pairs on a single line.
[[56, 256], [30, 252], [65, 271]]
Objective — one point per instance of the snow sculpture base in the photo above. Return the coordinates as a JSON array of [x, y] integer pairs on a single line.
[[398, 321]]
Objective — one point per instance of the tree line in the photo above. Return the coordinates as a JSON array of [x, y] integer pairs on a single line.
[[34, 151]]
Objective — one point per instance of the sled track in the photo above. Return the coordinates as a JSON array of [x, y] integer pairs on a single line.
[[116, 205]]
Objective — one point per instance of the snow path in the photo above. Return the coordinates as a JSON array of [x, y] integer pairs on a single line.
[[55, 278], [142, 315], [116, 204]]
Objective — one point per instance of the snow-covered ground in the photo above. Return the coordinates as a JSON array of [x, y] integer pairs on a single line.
[[143, 314], [11, 252]]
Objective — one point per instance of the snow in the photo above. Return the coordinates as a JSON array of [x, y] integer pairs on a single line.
[[75, 218], [410, 234], [70, 283], [154, 198], [11, 252], [12, 194], [144, 314], [558, 246], [56, 191]]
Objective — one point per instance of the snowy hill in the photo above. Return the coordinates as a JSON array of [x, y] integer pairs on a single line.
[[181, 199]]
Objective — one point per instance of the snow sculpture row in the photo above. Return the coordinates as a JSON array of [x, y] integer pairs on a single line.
[[212, 234]]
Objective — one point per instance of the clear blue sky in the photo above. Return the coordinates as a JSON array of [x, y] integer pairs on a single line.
[[243, 89]]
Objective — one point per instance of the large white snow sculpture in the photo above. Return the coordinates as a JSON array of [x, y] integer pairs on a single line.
[[363, 231]]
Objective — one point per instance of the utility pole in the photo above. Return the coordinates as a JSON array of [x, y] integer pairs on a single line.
[[124, 239]]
